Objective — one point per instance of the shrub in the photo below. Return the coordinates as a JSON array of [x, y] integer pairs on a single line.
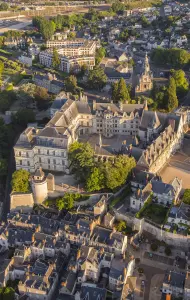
[[154, 247], [168, 251]]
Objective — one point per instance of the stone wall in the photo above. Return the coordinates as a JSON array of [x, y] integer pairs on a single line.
[[24, 202], [172, 239]]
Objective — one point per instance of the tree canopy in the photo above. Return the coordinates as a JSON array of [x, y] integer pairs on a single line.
[[116, 173], [172, 97], [7, 98], [7, 293], [175, 57], [45, 27], [118, 7], [71, 84], [100, 53], [97, 176], [96, 180], [186, 197], [67, 201], [120, 92], [20, 181], [97, 78], [23, 117], [56, 61], [181, 82], [81, 158]]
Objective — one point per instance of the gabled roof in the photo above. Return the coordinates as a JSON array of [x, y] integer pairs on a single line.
[[92, 293]]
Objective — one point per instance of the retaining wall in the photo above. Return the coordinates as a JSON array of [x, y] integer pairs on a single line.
[[170, 238]]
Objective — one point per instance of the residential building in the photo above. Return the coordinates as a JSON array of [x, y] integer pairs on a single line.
[[68, 63], [138, 198], [100, 207], [92, 292], [40, 281], [49, 82], [76, 47], [88, 262], [173, 283], [33, 49], [73, 54], [26, 59], [119, 273], [180, 215]]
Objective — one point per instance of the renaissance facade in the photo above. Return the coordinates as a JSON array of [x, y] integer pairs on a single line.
[[48, 147]]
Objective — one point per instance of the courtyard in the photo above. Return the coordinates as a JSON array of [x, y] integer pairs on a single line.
[[178, 166], [110, 145]]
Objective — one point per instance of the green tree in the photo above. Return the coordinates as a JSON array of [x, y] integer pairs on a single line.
[[23, 117], [41, 94], [172, 97], [9, 293], [124, 35], [168, 251], [97, 78], [71, 35], [7, 98], [175, 57], [81, 156], [100, 53], [4, 6], [20, 181], [120, 91], [123, 93], [95, 181], [186, 197], [47, 28], [118, 7], [117, 173], [154, 247], [67, 201], [120, 226], [56, 61], [71, 84], [115, 91], [181, 82]]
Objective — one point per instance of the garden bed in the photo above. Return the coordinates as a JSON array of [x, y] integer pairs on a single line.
[[155, 212]]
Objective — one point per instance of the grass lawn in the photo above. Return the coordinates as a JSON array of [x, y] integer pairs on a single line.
[[155, 212]]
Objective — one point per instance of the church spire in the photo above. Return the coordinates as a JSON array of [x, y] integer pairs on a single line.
[[146, 64]]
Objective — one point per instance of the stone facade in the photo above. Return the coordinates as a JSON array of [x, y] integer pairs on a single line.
[[145, 79], [162, 134]]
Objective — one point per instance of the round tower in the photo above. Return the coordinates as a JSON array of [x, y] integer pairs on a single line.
[[39, 186]]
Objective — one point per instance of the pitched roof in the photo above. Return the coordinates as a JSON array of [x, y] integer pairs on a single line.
[[92, 293]]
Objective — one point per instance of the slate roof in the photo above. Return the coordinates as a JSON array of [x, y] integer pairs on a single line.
[[175, 279], [160, 187], [141, 177], [68, 280], [117, 269], [92, 293]]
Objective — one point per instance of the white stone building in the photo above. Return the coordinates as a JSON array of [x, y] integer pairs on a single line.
[[48, 147]]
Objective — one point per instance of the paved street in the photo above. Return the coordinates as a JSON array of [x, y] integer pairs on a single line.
[[178, 166]]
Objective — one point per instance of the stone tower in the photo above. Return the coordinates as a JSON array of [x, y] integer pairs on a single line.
[[145, 79]]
